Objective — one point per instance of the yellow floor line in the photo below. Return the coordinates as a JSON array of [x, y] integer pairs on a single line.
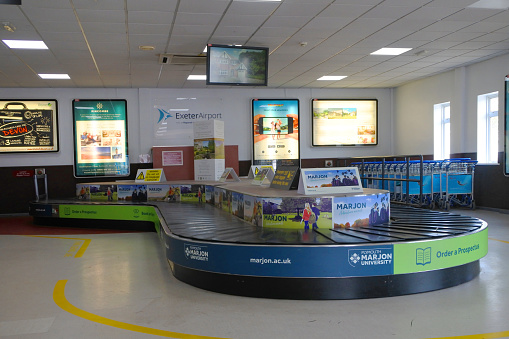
[[61, 301], [78, 254], [507, 242], [493, 335]]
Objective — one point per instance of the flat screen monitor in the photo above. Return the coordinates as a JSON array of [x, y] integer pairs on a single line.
[[237, 65], [344, 122]]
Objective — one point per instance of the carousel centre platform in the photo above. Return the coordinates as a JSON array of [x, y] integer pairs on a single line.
[[210, 247]]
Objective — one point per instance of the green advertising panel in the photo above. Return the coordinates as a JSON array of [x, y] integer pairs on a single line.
[[439, 254], [100, 138], [108, 212]]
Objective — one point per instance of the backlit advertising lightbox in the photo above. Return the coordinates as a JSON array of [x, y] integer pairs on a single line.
[[506, 127], [28, 126], [344, 122], [100, 138], [275, 131]]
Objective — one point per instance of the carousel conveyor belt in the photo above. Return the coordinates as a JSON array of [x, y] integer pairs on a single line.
[[205, 222]]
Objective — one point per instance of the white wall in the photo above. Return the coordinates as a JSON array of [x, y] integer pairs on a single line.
[[413, 106], [236, 106]]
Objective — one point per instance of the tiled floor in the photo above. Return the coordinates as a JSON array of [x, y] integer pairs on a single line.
[[121, 287]]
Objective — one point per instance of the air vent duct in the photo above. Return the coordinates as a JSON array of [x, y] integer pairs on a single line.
[[174, 59]]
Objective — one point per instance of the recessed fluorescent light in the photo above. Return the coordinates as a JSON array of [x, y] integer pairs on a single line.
[[25, 44], [490, 4], [258, 0], [390, 51], [332, 77], [54, 76], [197, 77]]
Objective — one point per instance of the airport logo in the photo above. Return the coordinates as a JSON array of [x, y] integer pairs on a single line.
[[186, 117], [196, 252]]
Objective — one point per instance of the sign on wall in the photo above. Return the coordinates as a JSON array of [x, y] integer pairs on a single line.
[[173, 118], [28, 126], [100, 138], [344, 122], [276, 131]]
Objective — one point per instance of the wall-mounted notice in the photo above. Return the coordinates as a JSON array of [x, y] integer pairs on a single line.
[[172, 158], [344, 122], [100, 138], [28, 126], [276, 131]]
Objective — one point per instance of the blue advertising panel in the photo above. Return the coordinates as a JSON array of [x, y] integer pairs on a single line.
[[282, 261], [100, 138]]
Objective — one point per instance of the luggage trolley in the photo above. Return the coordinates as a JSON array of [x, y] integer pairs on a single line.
[[397, 177], [458, 180]]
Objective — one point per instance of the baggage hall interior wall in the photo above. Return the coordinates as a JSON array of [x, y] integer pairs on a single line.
[[405, 125]]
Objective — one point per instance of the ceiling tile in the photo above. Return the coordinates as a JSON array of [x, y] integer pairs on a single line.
[[198, 6], [155, 5], [110, 16]]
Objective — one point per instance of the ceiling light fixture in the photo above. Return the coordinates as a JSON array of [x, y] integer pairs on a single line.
[[258, 0], [390, 51], [421, 52], [25, 44], [8, 27], [332, 77], [197, 77], [54, 76], [490, 4], [146, 48]]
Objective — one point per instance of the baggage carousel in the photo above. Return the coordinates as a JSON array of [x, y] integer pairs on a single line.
[[416, 251]]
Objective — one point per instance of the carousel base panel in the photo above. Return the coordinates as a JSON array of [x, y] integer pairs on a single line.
[[416, 251]]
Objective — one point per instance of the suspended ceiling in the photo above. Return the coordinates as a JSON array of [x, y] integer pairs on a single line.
[[97, 42]]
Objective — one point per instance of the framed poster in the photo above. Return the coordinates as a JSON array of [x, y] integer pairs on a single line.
[[100, 138], [506, 127], [28, 126], [276, 131], [344, 122]]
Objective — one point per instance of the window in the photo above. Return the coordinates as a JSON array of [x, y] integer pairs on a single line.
[[442, 131], [487, 128]]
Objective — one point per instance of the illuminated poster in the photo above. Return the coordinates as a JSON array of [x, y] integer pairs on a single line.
[[275, 131], [100, 138], [506, 129], [28, 126], [344, 122]]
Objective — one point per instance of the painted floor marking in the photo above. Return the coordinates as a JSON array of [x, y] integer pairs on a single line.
[[507, 242], [493, 335], [63, 303], [75, 246]]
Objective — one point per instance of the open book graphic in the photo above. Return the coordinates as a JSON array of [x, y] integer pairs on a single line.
[[423, 256]]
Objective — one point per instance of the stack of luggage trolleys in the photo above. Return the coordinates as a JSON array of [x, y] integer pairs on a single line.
[[444, 183]]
